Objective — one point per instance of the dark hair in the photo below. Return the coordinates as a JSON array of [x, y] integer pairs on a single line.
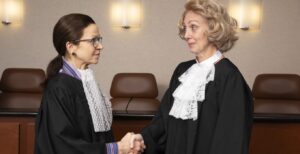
[[68, 28]]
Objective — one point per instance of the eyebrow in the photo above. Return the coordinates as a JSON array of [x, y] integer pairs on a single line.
[[192, 21], [96, 34], [93, 36]]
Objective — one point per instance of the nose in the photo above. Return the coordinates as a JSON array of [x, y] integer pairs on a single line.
[[187, 34], [100, 46]]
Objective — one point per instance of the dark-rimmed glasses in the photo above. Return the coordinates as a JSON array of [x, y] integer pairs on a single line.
[[94, 41]]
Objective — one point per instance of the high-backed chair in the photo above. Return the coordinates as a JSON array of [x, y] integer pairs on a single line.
[[133, 101], [21, 88], [20, 98], [276, 114], [134, 93], [277, 94]]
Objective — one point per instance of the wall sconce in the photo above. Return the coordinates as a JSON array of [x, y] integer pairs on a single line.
[[11, 11], [247, 13], [126, 13]]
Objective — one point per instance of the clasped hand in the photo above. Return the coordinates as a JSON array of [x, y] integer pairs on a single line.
[[131, 144]]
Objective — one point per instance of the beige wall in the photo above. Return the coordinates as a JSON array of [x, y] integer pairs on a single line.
[[154, 47]]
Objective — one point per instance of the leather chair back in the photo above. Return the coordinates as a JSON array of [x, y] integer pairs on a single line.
[[134, 93], [138, 85], [21, 87], [277, 94], [277, 86]]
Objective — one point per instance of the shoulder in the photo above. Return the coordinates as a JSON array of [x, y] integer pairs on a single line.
[[180, 69], [183, 66], [62, 82], [226, 68], [62, 91], [227, 72], [188, 63]]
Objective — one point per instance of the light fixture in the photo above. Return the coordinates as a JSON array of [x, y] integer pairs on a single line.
[[247, 13], [126, 13], [11, 11]]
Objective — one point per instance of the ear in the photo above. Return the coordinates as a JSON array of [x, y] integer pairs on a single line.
[[71, 48]]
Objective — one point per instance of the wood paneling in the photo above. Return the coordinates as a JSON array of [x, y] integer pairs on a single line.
[[27, 137], [17, 134], [275, 138], [121, 126], [9, 137]]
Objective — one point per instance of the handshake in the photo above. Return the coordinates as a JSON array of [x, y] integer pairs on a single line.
[[131, 144]]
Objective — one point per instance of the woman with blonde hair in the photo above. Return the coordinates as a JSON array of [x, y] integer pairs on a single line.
[[207, 108]]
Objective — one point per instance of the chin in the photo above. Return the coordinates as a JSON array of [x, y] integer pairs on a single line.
[[193, 51], [95, 62]]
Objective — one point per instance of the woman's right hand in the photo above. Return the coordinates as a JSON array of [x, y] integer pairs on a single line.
[[131, 143]]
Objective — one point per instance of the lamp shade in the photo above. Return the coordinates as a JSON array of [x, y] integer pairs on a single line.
[[126, 13], [11, 11], [248, 13]]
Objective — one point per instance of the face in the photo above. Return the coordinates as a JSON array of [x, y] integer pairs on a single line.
[[196, 28], [87, 52]]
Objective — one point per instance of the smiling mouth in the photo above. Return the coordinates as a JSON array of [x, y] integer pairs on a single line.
[[191, 44]]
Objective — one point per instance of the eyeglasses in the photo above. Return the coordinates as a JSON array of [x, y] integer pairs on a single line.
[[94, 41]]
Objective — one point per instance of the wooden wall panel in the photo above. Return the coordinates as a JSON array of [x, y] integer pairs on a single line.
[[121, 126], [9, 137], [27, 138], [275, 138]]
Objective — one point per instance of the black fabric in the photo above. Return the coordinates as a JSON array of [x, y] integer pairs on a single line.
[[224, 117], [64, 124]]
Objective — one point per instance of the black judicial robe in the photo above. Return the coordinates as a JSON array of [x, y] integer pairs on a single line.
[[224, 117], [64, 123]]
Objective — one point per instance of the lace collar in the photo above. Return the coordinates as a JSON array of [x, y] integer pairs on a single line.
[[99, 105], [192, 88]]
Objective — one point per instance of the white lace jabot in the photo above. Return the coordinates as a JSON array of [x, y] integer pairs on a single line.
[[100, 106], [192, 88]]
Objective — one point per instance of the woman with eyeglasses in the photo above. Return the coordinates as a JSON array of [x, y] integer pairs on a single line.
[[207, 108], [75, 117]]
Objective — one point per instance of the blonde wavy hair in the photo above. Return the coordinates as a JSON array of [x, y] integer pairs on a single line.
[[222, 27]]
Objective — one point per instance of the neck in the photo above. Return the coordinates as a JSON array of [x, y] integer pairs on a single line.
[[205, 54], [76, 63]]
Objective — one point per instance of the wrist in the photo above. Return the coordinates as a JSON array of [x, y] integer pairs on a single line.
[[120, 147]]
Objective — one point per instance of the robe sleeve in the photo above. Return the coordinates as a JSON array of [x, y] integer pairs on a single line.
[[57, 131], [233, 127], [155, 133]]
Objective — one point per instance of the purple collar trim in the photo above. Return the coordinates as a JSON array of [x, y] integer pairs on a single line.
[[70, 70]]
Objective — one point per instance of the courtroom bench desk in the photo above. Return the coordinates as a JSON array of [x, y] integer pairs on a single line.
[[123, 123], [17, 131], [271, 134], [275, 134], [17, 128]]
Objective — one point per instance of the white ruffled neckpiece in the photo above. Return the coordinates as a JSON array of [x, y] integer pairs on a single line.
[[192, 88], [100, 106]]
